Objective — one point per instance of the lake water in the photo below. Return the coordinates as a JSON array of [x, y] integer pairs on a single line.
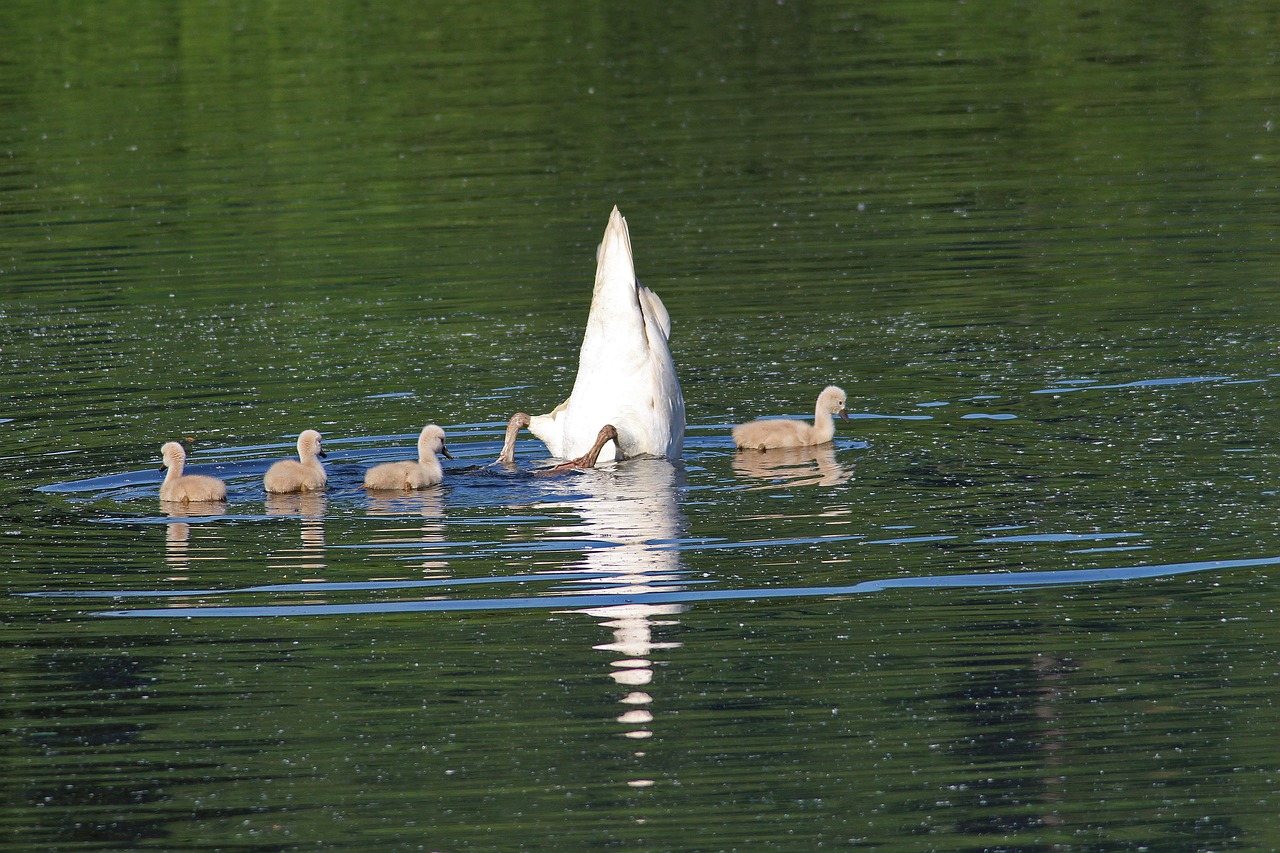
[[1022, 602]]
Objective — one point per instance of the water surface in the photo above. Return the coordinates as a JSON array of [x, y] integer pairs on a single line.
[[1022, 602]]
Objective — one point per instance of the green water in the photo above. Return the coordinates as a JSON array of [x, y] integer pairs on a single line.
[[1035, 243]]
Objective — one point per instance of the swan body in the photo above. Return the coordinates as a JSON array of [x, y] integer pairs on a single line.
[[405, 476], [782, 432], [626, 376], [304, 474], [186, 488]]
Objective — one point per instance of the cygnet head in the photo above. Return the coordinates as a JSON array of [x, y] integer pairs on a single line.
[[432, 442], [832, 400], [174, 456], [309, 445]]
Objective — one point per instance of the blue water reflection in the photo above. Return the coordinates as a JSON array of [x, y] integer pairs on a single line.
[[628, 590]]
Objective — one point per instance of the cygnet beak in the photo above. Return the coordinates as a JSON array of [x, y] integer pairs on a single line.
[[844, 414], [445, 451]]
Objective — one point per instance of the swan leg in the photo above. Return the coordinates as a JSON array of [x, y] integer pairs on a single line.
[[578, 464], [507, 457], [607, 434]]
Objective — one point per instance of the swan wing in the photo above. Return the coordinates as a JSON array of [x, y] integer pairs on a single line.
[[654, 311]]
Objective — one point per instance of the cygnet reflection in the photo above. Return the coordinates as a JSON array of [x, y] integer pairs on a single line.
[[785, 467], [179, 552], [309, 508], [400, 529]]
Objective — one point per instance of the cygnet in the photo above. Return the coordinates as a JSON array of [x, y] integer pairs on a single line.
[[403, 476], [186, 488], [304, 474], [783, 432]]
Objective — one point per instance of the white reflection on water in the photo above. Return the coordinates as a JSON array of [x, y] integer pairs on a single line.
[[786, 467], [631, 506], [178, 552], [175, 549], [309, 508], [427, 503], [634, 507], [632, 626]]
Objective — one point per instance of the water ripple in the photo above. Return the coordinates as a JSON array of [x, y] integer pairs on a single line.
[[1139, 383], [992, 580]]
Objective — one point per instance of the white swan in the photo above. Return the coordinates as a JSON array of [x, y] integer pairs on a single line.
[[304, 474], [186, 488], [625, 373], [403, 476], [782, 432]]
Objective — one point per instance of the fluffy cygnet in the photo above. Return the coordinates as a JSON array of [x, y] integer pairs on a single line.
[[186, 488], [304, 474], [402, 476], [518, 422], [782, 432]]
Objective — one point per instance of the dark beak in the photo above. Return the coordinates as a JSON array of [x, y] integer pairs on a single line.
[[445, 451]]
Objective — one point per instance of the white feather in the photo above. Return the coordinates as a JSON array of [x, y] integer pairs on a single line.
[[626, 376]]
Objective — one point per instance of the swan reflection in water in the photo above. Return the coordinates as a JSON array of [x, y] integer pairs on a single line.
[[179, 553], [309, 508], [632, 626], [785, 467], [632, 507]]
